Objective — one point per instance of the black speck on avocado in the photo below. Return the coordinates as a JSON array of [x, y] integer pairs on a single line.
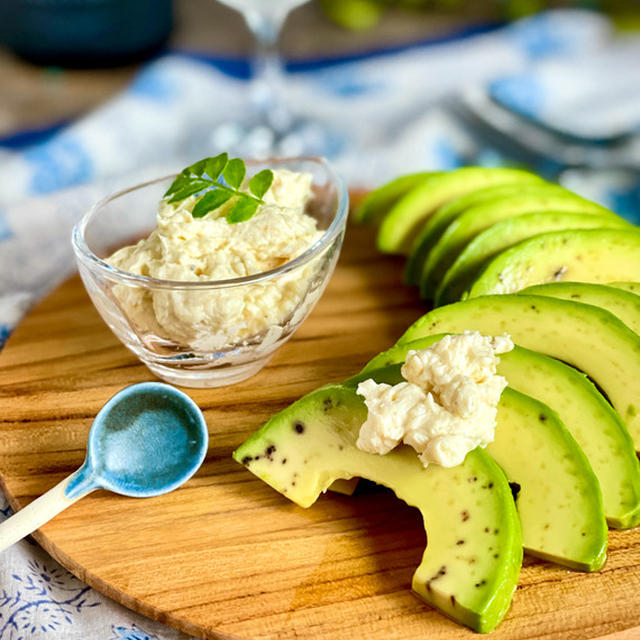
[[460, 542], [515, 490], [533, 307], [298, 427], [490, 485], [328, 404], [284, 461], [486, 529], [583, 534], [481, 583], [246, 460], [293, 483], [341, 447], [496, 555], [453, 601], [464, 515], [496, 531], [270, 450], [542, 417]]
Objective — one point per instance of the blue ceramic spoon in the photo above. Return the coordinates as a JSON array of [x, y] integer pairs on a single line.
[[146, 440]]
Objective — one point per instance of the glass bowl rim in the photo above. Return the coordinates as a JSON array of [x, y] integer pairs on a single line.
[[93, 262]]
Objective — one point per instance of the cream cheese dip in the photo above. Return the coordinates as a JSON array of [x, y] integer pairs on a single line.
[[447, 406], [184, 248]]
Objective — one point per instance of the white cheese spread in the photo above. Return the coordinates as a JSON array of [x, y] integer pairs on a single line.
[[446, 407], [192, 249]]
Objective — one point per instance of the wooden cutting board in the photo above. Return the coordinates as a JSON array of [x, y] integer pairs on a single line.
[[228, 557]]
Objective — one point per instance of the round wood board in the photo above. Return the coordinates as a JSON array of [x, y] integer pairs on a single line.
[[226, 556]]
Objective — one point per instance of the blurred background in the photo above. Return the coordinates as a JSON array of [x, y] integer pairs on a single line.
[[92, 90]]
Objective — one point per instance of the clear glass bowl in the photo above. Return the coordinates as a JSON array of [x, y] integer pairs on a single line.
[[125, 217]]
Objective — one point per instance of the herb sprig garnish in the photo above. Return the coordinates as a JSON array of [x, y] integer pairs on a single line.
[[220, 179]]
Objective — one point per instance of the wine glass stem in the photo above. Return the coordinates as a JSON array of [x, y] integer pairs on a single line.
[[267, 87]]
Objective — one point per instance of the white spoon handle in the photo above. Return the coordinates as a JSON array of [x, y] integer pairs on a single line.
[[35, 514]]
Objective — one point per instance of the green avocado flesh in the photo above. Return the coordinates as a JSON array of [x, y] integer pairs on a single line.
[[624, 305], [470, 566], [631, 287], [559, 503], [530, 197], [378, 202], [399, 227], [476, 219], [596, 427], [579, 255], [467, 262], [590, 339]]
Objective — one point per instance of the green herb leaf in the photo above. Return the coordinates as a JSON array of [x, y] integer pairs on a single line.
[[242, 210], [261, 182], [181, 181], [215, 166], [197, 168], [204, 175], [234, 173], [210, 201], [189, 190]]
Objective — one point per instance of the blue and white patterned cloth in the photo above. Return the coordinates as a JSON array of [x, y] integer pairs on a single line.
[[434, 106]]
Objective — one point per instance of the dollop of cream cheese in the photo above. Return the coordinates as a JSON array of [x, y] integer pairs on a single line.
[[448, 404], [192, 249]]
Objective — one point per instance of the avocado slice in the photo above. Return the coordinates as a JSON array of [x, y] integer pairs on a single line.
[[476, 219], [467, 573], [399, 227], [380, 200], [623, 304], [559, 501], [596, 427], [586, 337], [631, 287], [504, 234], [580, 255], [529, 197]]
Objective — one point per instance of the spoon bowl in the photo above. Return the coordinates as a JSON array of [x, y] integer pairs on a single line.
[[146, 440]]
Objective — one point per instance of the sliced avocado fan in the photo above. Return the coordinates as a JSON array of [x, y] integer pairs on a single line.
[[559, 500], [378, 202], [586, 337], [580, 255], [596, 427], [504, 234], [470, 566], [623, 304], [471, 222], [514, 192], [401, 224]]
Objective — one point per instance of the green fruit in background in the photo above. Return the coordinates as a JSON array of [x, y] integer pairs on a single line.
[[504, 234], [471, 582], [356, 15], [596, 427], [583, 255], [590, 339], [402, 223]]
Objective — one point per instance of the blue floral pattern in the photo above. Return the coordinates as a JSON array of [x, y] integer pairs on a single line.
[[43, 600]]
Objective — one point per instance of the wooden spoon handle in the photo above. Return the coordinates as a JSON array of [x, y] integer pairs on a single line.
[[36, 513]]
